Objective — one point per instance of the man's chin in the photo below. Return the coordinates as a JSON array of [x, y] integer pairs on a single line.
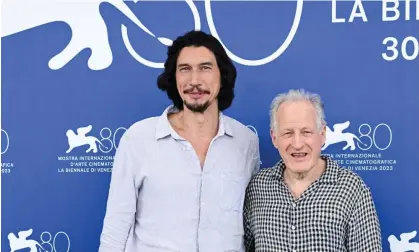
[[197, 107], [299, 167]]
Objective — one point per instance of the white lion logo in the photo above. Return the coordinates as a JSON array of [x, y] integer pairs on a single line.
[[81, 139], [83, 16], [21, 242], [337, 136], [404, 244]]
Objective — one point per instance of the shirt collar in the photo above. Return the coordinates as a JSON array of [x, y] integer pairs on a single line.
[[329, 176], [164, 128]]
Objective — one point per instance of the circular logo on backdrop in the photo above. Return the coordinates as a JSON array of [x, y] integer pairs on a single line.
[[165, 41], [268, 58], [6, 165], [93, 34], [208, 12]]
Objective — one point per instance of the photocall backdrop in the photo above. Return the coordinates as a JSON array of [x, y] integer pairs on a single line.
[[77, 74]]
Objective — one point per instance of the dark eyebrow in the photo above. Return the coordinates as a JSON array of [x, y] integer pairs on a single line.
[[182, 65], [206, 63]]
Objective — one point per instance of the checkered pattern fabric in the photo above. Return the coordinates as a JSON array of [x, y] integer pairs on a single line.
[[336, 213]]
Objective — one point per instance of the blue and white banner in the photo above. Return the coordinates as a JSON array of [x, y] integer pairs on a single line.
[[77, 73]]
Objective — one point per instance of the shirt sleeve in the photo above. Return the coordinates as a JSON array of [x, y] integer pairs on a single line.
[[122, 200], [249, 239], [364, 232], [255, 156]]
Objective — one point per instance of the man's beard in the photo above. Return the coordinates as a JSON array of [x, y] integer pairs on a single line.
[[194, 107], [197, 108]]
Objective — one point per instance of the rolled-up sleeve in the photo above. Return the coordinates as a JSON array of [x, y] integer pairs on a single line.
[[122, 200]]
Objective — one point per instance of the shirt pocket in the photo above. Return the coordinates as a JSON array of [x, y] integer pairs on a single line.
[[232, 194], [234, 178]]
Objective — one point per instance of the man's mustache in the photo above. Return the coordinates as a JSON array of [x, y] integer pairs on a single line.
[[195, 90]]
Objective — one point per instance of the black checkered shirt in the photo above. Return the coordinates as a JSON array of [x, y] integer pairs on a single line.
[[336, 213]]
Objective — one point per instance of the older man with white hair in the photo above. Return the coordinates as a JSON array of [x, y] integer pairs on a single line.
[[306, 202]]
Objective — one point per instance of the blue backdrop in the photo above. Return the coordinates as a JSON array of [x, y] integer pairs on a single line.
[[365, 67]]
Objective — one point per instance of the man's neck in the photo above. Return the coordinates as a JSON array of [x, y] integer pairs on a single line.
[[197, 125], [299, 182]]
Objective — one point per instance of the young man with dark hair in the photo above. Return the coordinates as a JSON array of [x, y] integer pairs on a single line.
[[179, 180]]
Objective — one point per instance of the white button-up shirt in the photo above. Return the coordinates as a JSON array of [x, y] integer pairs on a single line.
[[161, 200]]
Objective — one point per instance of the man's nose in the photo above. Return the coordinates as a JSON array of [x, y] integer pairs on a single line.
[[297, 141], [195, 78]]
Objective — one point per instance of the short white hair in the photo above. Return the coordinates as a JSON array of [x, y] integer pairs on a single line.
[[294, 95]]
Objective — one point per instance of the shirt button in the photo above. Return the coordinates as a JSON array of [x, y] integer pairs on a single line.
[[293, 227], [294, 250], [294, 205]]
